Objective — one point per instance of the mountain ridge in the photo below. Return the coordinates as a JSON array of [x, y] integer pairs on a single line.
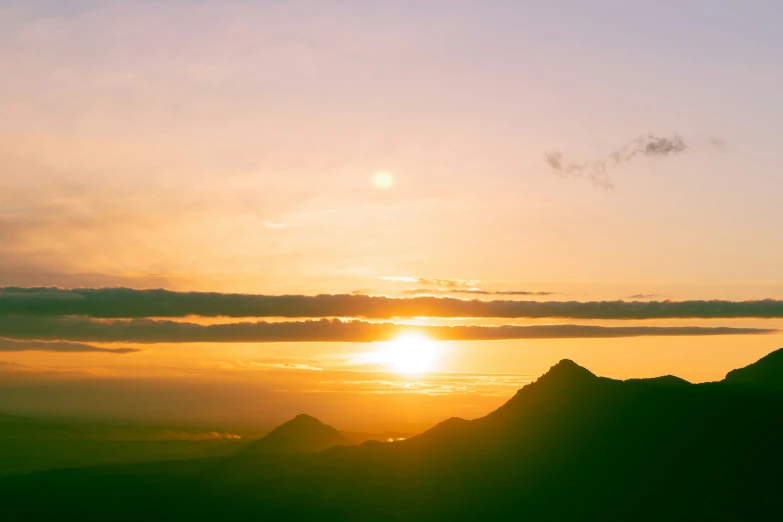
[[766, 373], [568, 446]]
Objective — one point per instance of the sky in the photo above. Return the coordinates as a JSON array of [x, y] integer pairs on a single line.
[[496, 150]]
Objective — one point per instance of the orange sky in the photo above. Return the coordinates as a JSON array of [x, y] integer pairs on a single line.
[[384, 148], [259, 385]]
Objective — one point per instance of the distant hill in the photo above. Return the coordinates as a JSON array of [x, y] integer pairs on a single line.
[[569, 446], [303, 434]]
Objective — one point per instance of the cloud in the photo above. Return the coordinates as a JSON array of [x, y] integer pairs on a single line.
[[323, 330], [521, 292], [451, 283], [429, 384], [128, 303], [10, 345], [456, 286], [286, 366], [718, 143], [648, 145], [643, 296], [401, 279], [474, 291]]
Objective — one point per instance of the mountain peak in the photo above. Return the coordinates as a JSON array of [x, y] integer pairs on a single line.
[[567, 369], [303, 417], [302, 434], [563, 379], [566, 363]]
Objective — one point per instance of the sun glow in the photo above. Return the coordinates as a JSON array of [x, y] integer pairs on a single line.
[[382, 180], [411, 353]]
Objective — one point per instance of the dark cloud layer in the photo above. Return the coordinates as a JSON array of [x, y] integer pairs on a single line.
[[648, 145], [324, 330], [10, 345], [124, 302]]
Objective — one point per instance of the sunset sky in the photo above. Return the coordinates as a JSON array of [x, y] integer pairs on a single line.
[[383, 152]]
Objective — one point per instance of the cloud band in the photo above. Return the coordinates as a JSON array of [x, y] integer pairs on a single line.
[[11, 345], [323, 330], [128, 303]]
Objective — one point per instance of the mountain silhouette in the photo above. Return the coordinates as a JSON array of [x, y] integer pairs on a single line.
[[766, 373], [302, 434], [569, 446]]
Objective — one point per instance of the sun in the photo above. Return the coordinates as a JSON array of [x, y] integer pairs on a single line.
[[382, 180], [411, 353]]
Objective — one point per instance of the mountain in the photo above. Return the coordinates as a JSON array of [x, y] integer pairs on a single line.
[[569, 446], [303, 434], [766, 373]]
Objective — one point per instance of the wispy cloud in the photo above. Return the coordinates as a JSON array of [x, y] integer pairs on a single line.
[[419, 387], [400, 279], [474, 291], [455, 286], [451, 283], [718, 143], [643, 296], [645, 145], [11, 345], [433, 384], [286, 366]]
